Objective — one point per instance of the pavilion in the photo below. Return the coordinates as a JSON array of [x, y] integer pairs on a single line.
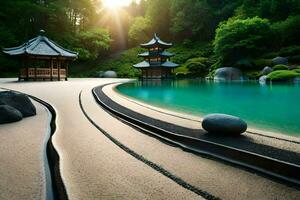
[[156, 64], [42, 59]]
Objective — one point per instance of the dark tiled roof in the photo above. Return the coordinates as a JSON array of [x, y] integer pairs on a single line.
[[156, 41], [145, 64], [41, 46]]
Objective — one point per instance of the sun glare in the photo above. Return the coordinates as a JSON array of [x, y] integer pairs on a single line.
[[113, 4]]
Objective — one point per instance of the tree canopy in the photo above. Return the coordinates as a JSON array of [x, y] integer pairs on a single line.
[[236, 28]]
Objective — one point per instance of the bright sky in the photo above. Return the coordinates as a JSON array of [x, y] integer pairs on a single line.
[[112, 4]]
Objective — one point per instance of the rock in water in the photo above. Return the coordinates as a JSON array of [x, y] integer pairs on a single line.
[[110, 74], [228, 74], [18, 101], [280, 61], [222, 124], [267, 70], [263, 79], [9, 114]]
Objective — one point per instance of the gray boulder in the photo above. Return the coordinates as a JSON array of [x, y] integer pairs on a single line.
[[110, 74], [18, 101], [280, 61], [267, 70], [263, 79], [222, 124], [228, 74], [9, 114]]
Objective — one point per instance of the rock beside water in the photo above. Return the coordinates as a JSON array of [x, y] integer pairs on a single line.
[[110, 74], [263, 79], [21, 102], [267, 70], [9, 114], [222, 124], [228, 74], [280, 61]]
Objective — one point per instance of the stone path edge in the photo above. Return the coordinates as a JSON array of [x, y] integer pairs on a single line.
[[149, 163], [292, 181], [58, 187]]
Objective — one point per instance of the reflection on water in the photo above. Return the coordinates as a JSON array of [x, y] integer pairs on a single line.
[[273, 107]]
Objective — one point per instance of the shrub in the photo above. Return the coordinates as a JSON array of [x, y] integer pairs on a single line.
[[282, 75], [289, 51], [287, 31], [241, 38], [280, 67], [197, 66], [294, 59], [296, 70], [261, 63], [243, 64]]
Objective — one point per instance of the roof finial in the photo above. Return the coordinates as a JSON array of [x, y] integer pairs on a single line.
[[42, 32], [155, 36]]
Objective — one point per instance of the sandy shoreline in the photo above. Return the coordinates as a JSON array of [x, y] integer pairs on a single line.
[[192, 117]]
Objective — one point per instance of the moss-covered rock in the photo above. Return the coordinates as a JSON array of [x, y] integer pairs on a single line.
[[280, 67], [283, 75]]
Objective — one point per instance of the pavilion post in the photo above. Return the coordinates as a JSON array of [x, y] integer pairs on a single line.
[[67, 70], [51, 70], [58, 68]]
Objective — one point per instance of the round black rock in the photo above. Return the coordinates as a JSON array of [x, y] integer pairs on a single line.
[[18, 101], [9, 114], [222, 124]]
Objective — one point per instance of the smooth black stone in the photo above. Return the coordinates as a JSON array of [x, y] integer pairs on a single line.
[[9, 114], [18, 101], [222, 124]]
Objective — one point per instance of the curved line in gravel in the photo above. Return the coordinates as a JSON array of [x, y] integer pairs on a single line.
[[151, 164]]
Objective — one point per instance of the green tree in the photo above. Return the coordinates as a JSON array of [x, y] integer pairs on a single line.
[[140, 31], [92, 43], [241, 38]]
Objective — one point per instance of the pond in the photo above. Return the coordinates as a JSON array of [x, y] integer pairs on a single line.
[[273, 107]]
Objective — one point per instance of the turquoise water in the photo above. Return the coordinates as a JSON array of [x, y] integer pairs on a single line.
[[268, 107]]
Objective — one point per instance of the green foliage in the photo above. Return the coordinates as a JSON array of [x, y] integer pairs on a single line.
[[297, 70], [183, 23], [289, 51], [239, 39], [286, 31], [262, 62], [280, 67], [252, 74], [294, 59], [190, 50], [120, 63], [139, 31], [92, 43], [196, 66], [282, 75]]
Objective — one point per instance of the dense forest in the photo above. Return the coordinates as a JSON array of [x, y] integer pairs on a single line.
[[207, 33]]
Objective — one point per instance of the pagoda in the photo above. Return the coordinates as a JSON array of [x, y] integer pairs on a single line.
[[42, 59], [156, 64]]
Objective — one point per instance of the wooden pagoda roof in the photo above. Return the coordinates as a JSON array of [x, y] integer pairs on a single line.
[[41, 46], [146, 64], [162, 54], [156, 41]]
